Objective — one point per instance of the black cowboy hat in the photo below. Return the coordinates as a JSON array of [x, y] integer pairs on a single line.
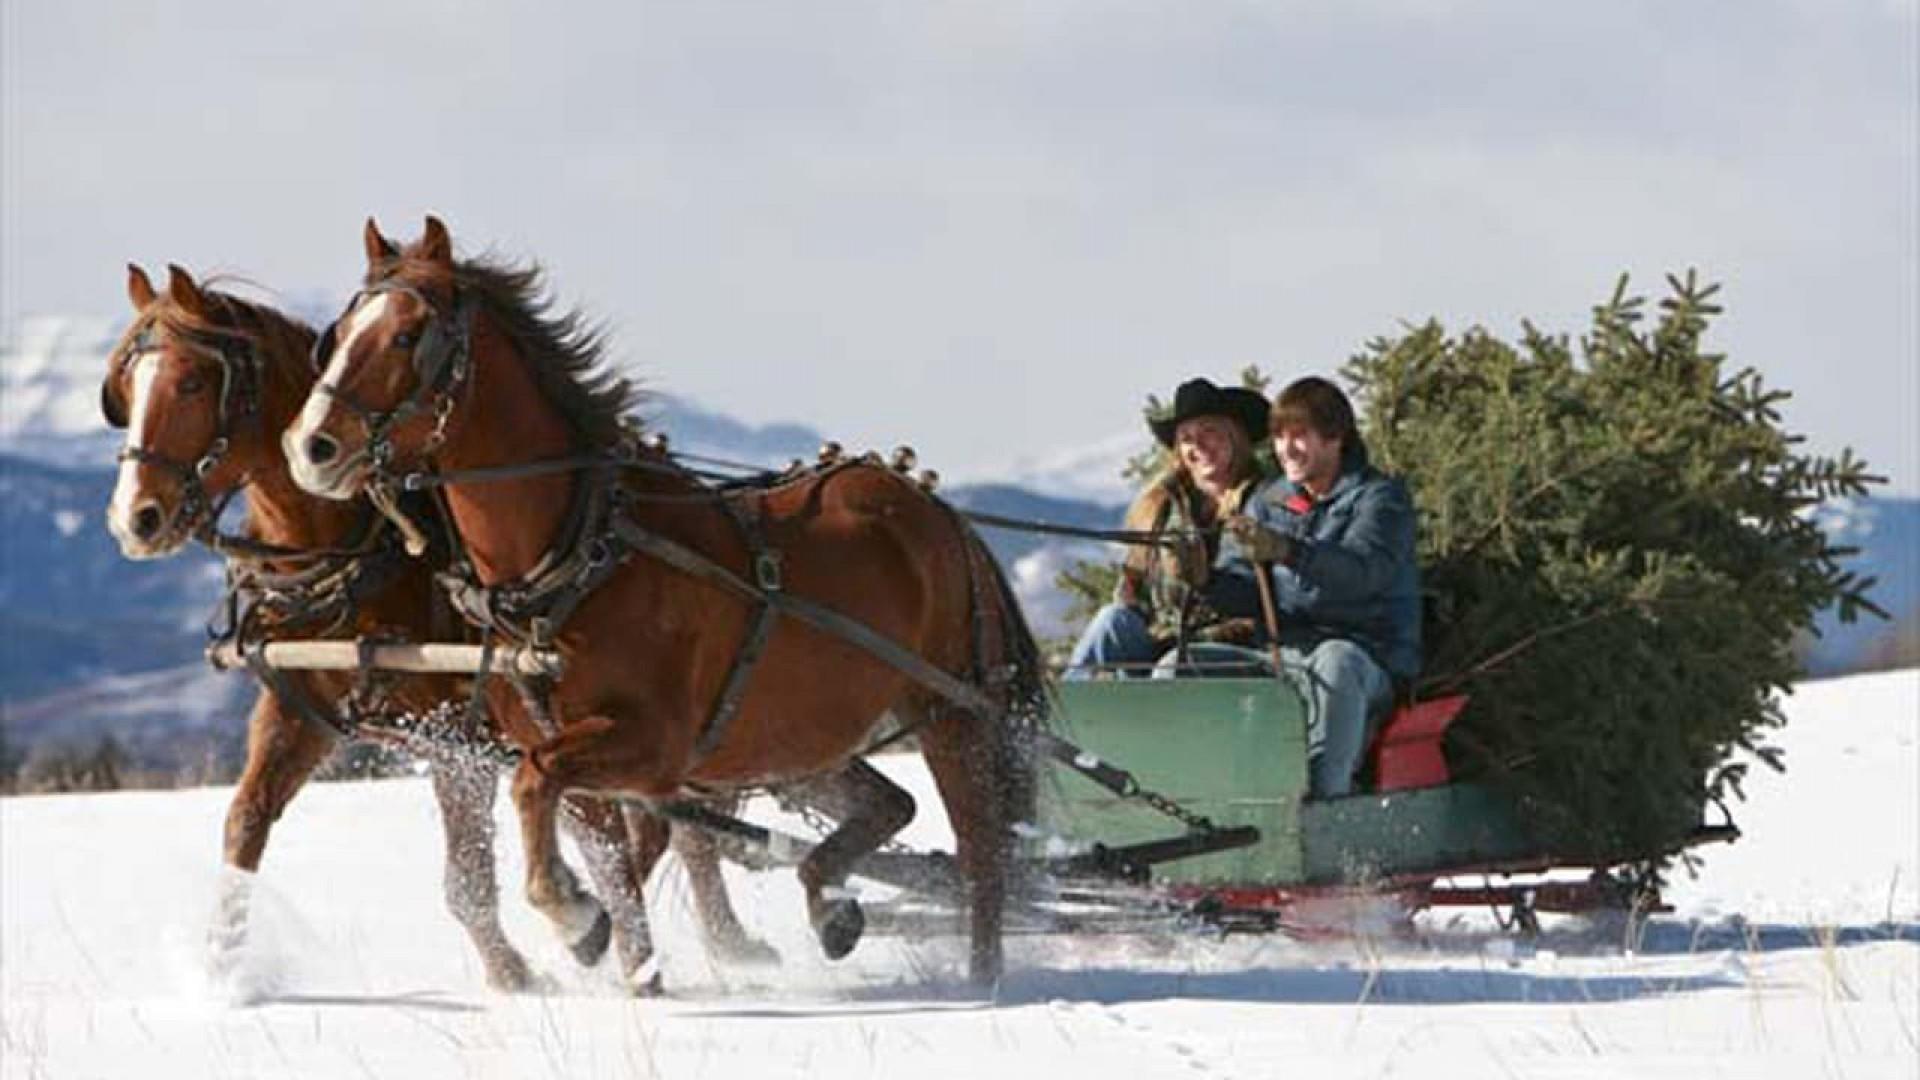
[[1200, 397]]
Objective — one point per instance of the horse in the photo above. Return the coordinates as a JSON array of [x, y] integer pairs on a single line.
[[202, 380], [724, 640]]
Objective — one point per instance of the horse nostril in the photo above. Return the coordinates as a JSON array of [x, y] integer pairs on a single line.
[[321, 449], [147, 522]]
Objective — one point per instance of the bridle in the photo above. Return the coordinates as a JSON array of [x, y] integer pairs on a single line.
[[442, 360], [239, 401]]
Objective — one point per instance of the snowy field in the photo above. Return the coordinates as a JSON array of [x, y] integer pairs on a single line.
[[1795, 953]]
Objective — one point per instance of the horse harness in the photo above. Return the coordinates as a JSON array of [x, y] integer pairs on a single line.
[[600, 535], [239, 401], [262, 604], [441, 363]]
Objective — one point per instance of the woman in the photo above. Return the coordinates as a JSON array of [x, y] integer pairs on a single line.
[[1197, 586]]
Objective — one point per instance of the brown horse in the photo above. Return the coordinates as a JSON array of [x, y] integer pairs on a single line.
[[202, 380], [458, 366]]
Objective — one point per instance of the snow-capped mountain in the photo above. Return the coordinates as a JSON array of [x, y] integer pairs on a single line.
[[1090, 473], [50, 372]]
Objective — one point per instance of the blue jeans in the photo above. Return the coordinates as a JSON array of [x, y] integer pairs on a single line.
[[1344, 689], [1118, 634]]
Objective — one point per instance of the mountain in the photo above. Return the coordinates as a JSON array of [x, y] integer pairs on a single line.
[[74, 609], [1887, 532], [50, 372]]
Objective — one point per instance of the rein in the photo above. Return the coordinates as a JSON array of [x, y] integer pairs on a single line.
[[423, 481]]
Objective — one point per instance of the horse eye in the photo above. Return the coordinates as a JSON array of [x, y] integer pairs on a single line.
[[403, 340]]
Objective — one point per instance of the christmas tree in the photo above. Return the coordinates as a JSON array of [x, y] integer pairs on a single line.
[[1616, 556]]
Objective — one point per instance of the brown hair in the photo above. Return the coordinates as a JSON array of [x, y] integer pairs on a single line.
[[1315, 403]]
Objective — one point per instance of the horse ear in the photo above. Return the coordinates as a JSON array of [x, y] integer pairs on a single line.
[[139, 288], [435, 244], [379, 248], [182, 290]]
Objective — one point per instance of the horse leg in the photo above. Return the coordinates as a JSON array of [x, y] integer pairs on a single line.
[[465, 792], [282, 751], [871, 809], [620, 849], [726, 938], [971, 766], [579, 919]]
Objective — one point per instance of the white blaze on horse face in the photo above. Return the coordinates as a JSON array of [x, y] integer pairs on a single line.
[[314, 413], [126, 489]]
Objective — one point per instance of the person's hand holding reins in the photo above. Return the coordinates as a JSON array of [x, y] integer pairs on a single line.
[[1261, 543]]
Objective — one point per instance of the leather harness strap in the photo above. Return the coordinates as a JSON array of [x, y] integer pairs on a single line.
[[601, 534], [745, 511], [909, 663], [441, 364], [291, 694], [239, 401]]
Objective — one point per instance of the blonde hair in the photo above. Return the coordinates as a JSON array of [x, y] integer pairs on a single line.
[[1239, 467]]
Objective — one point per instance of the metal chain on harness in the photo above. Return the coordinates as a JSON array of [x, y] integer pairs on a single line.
[[1194, 822], [1121, 782]]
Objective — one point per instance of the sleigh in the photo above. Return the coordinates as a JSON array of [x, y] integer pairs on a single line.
[[1233, 752]]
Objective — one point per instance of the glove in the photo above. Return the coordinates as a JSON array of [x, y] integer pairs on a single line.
[[1259, 542]]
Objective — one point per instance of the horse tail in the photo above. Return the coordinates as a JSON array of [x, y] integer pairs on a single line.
[[1017, 669], [1030, 695]]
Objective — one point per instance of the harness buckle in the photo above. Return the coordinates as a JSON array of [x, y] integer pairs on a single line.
[[599, 553], [210, 460], [766, 570]]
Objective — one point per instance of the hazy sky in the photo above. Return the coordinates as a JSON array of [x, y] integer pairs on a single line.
[[989, 229]]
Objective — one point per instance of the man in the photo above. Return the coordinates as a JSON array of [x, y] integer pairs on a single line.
[[1197, 582], [1338, 537]]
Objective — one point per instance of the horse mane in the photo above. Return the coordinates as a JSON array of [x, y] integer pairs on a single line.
[[564, 350]]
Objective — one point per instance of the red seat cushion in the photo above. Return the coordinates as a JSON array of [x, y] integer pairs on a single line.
[[1407, 753]]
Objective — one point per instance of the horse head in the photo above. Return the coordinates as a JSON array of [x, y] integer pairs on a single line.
[[184, 381], [389, 369]]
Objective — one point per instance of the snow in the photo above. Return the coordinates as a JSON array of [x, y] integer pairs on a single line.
[[51, 380], [1794, 953]]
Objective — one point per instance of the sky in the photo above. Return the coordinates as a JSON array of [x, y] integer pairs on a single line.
[[990, 229]]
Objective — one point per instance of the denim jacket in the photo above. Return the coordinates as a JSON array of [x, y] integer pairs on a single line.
[[1354, 573]]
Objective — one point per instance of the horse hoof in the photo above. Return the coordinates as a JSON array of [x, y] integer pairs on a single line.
[[645, 981], [840, 925], [591, 947]]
